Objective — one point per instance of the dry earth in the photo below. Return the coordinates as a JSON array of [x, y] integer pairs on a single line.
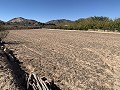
[[10, 76], [76, 60], [6, 77]]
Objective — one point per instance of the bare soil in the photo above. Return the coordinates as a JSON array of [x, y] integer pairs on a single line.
[[76, 60], [8, 79]]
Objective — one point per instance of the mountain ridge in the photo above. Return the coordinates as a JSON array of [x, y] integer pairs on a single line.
[[59, 21], [24, 20], [21, 20]]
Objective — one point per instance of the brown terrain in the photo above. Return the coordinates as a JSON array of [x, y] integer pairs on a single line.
[[6, 78], [76, 60]]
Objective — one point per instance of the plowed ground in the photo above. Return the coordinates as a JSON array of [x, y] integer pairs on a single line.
[[76, 60]]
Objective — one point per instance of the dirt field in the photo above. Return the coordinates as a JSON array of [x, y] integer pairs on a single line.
[[76, 60], [6, 78]]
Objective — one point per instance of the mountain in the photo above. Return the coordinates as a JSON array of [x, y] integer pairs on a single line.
[[59, 21], [19, 19], [23, 21]]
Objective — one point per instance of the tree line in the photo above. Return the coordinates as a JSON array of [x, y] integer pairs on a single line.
[[94, 23]]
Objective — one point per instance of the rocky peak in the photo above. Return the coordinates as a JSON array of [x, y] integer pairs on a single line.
[[19, 19]]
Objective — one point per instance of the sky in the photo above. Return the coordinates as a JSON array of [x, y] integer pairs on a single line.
[[46, 10]]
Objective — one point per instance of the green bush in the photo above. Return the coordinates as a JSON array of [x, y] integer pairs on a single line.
[[93, 23]]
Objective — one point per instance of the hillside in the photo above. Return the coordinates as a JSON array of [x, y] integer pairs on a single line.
[[24, 21], [60, 21]]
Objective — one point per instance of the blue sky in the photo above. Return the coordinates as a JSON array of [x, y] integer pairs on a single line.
[[45, 10]]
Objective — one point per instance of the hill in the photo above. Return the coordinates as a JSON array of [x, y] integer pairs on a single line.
[[23, 21], [59, 21]]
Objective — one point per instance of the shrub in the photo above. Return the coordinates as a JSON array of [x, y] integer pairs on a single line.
[[3, 33]]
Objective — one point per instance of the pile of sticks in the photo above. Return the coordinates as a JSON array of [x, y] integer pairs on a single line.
[[36, 83]]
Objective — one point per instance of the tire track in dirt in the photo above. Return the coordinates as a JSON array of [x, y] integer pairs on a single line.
[[67, 68], [69, 85], [32, 50], [76, 56]]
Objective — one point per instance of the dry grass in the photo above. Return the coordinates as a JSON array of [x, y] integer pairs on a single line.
[[3, 34]]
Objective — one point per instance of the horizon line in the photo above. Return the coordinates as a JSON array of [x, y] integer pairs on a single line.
[[58, 18]]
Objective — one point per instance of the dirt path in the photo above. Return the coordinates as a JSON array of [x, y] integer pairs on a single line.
[[76, 60]]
